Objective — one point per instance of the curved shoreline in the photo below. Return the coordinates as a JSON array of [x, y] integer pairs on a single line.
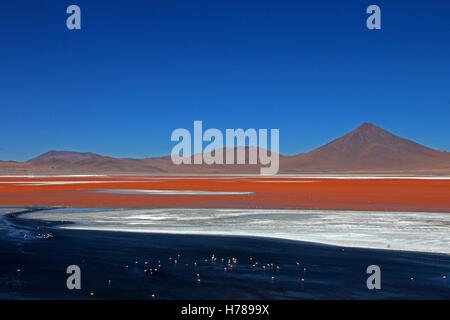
[[93, 226], [328, 271]]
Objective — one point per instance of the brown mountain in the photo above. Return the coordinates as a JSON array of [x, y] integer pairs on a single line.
[[168, 166], [368, 148], [66, 156]]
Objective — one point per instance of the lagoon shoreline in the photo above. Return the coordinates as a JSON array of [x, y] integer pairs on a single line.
[[35, 268]]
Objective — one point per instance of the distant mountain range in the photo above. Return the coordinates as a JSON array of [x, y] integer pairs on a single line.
[[368, 148]]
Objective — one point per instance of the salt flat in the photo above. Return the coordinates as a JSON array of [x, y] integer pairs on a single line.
[[411, 231]]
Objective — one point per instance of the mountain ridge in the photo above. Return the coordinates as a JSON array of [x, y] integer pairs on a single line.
[[368, 148]]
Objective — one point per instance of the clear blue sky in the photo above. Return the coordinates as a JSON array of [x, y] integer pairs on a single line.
[[139, 69]]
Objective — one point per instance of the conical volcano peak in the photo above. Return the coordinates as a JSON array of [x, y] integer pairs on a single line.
[[367, 126], [370, 132], [369, 148]]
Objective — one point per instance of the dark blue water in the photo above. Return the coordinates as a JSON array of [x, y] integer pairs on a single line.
[[328, 272]]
